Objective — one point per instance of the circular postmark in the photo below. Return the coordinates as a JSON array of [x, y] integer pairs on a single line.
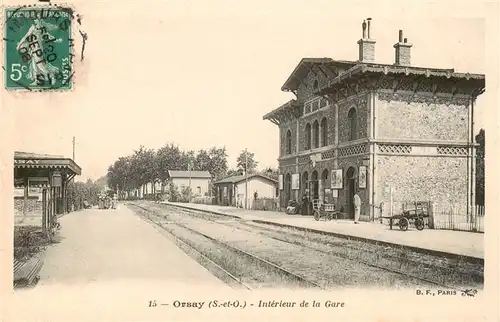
[[39, 47]]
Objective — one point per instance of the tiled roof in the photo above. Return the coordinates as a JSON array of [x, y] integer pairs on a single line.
[[239, 178], [29, 155]]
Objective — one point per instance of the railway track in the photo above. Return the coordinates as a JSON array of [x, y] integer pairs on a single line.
[[344, 251], [287, 277], [293, 240], [186, 247]]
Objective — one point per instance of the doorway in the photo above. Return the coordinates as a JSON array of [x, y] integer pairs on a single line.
[[314, 184], [305, 183], [288, 188], [325, 185], [351, 190]]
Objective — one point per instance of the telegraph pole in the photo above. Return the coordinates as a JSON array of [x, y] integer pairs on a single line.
[[246, 178], [73, 148]]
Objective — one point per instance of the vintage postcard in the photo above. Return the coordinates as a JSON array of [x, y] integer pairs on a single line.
[[222, 160]]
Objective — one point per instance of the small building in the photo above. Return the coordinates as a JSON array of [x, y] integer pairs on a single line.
[[40, 187], [395, 132], [231, 191], [199, 181]]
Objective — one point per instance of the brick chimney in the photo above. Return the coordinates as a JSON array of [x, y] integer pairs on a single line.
[[403, 51], [366, 44]]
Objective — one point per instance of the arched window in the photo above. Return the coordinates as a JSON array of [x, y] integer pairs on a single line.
[[353, 124], [308, 136], [324, 175], [324, 132], [315, 85], [316, 134], [288, 142]]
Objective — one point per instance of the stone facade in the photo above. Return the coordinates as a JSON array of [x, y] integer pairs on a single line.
[[292, 127], [446, 121], [422, 178], [408, 128], [359, 104]]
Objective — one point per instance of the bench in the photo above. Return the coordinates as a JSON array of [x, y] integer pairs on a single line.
[[26, 273]]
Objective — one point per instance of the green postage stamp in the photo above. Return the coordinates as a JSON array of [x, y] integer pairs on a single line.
[[38, 48]]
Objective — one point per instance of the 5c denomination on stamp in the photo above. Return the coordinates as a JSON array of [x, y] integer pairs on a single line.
[[38, 48]]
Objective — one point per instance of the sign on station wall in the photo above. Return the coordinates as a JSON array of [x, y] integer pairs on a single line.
[[56, 179], [295, 181], [362, 177], [337, 179]]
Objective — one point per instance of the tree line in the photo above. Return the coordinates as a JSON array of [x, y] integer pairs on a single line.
[[146, 166], [78, 192]]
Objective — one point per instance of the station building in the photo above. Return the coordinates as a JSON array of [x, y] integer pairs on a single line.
[[391, 131]]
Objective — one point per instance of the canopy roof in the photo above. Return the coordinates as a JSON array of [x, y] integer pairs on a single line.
[[27, 160]]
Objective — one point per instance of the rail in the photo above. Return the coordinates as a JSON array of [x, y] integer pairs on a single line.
[[187, 248], [235, 249], [359, 258]]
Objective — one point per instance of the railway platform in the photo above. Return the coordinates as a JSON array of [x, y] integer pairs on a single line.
[[110, 245], [457, 243]]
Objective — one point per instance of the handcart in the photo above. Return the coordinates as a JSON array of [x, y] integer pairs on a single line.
[[415, 214], [324, 210]]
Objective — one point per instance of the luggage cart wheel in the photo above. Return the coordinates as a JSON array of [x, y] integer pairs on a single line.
[[419, 223], [403, 223], [316, 215]]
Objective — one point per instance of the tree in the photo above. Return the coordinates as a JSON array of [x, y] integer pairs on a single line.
[[173, 192], [480, 175], [146, 166], [168, 158], [213, 161], [79, 191], [185, 194], [233, 172], [271, 173], [218, 161], [187, 160], [202, 161], [246, 160]]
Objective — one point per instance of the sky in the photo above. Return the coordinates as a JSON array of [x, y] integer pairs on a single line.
[[203, 74]]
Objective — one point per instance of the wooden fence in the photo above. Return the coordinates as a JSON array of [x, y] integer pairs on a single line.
[[203, 200], [269, 204]]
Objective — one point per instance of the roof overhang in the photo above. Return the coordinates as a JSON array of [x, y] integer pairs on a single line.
[[288, 111], [24, 160], [306, 65], [474, 81], [258, 176]]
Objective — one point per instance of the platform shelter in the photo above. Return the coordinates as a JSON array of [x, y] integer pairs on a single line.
[[40, 183]]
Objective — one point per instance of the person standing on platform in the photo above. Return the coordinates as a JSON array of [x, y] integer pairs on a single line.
[[305, 203], [357, 206]]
